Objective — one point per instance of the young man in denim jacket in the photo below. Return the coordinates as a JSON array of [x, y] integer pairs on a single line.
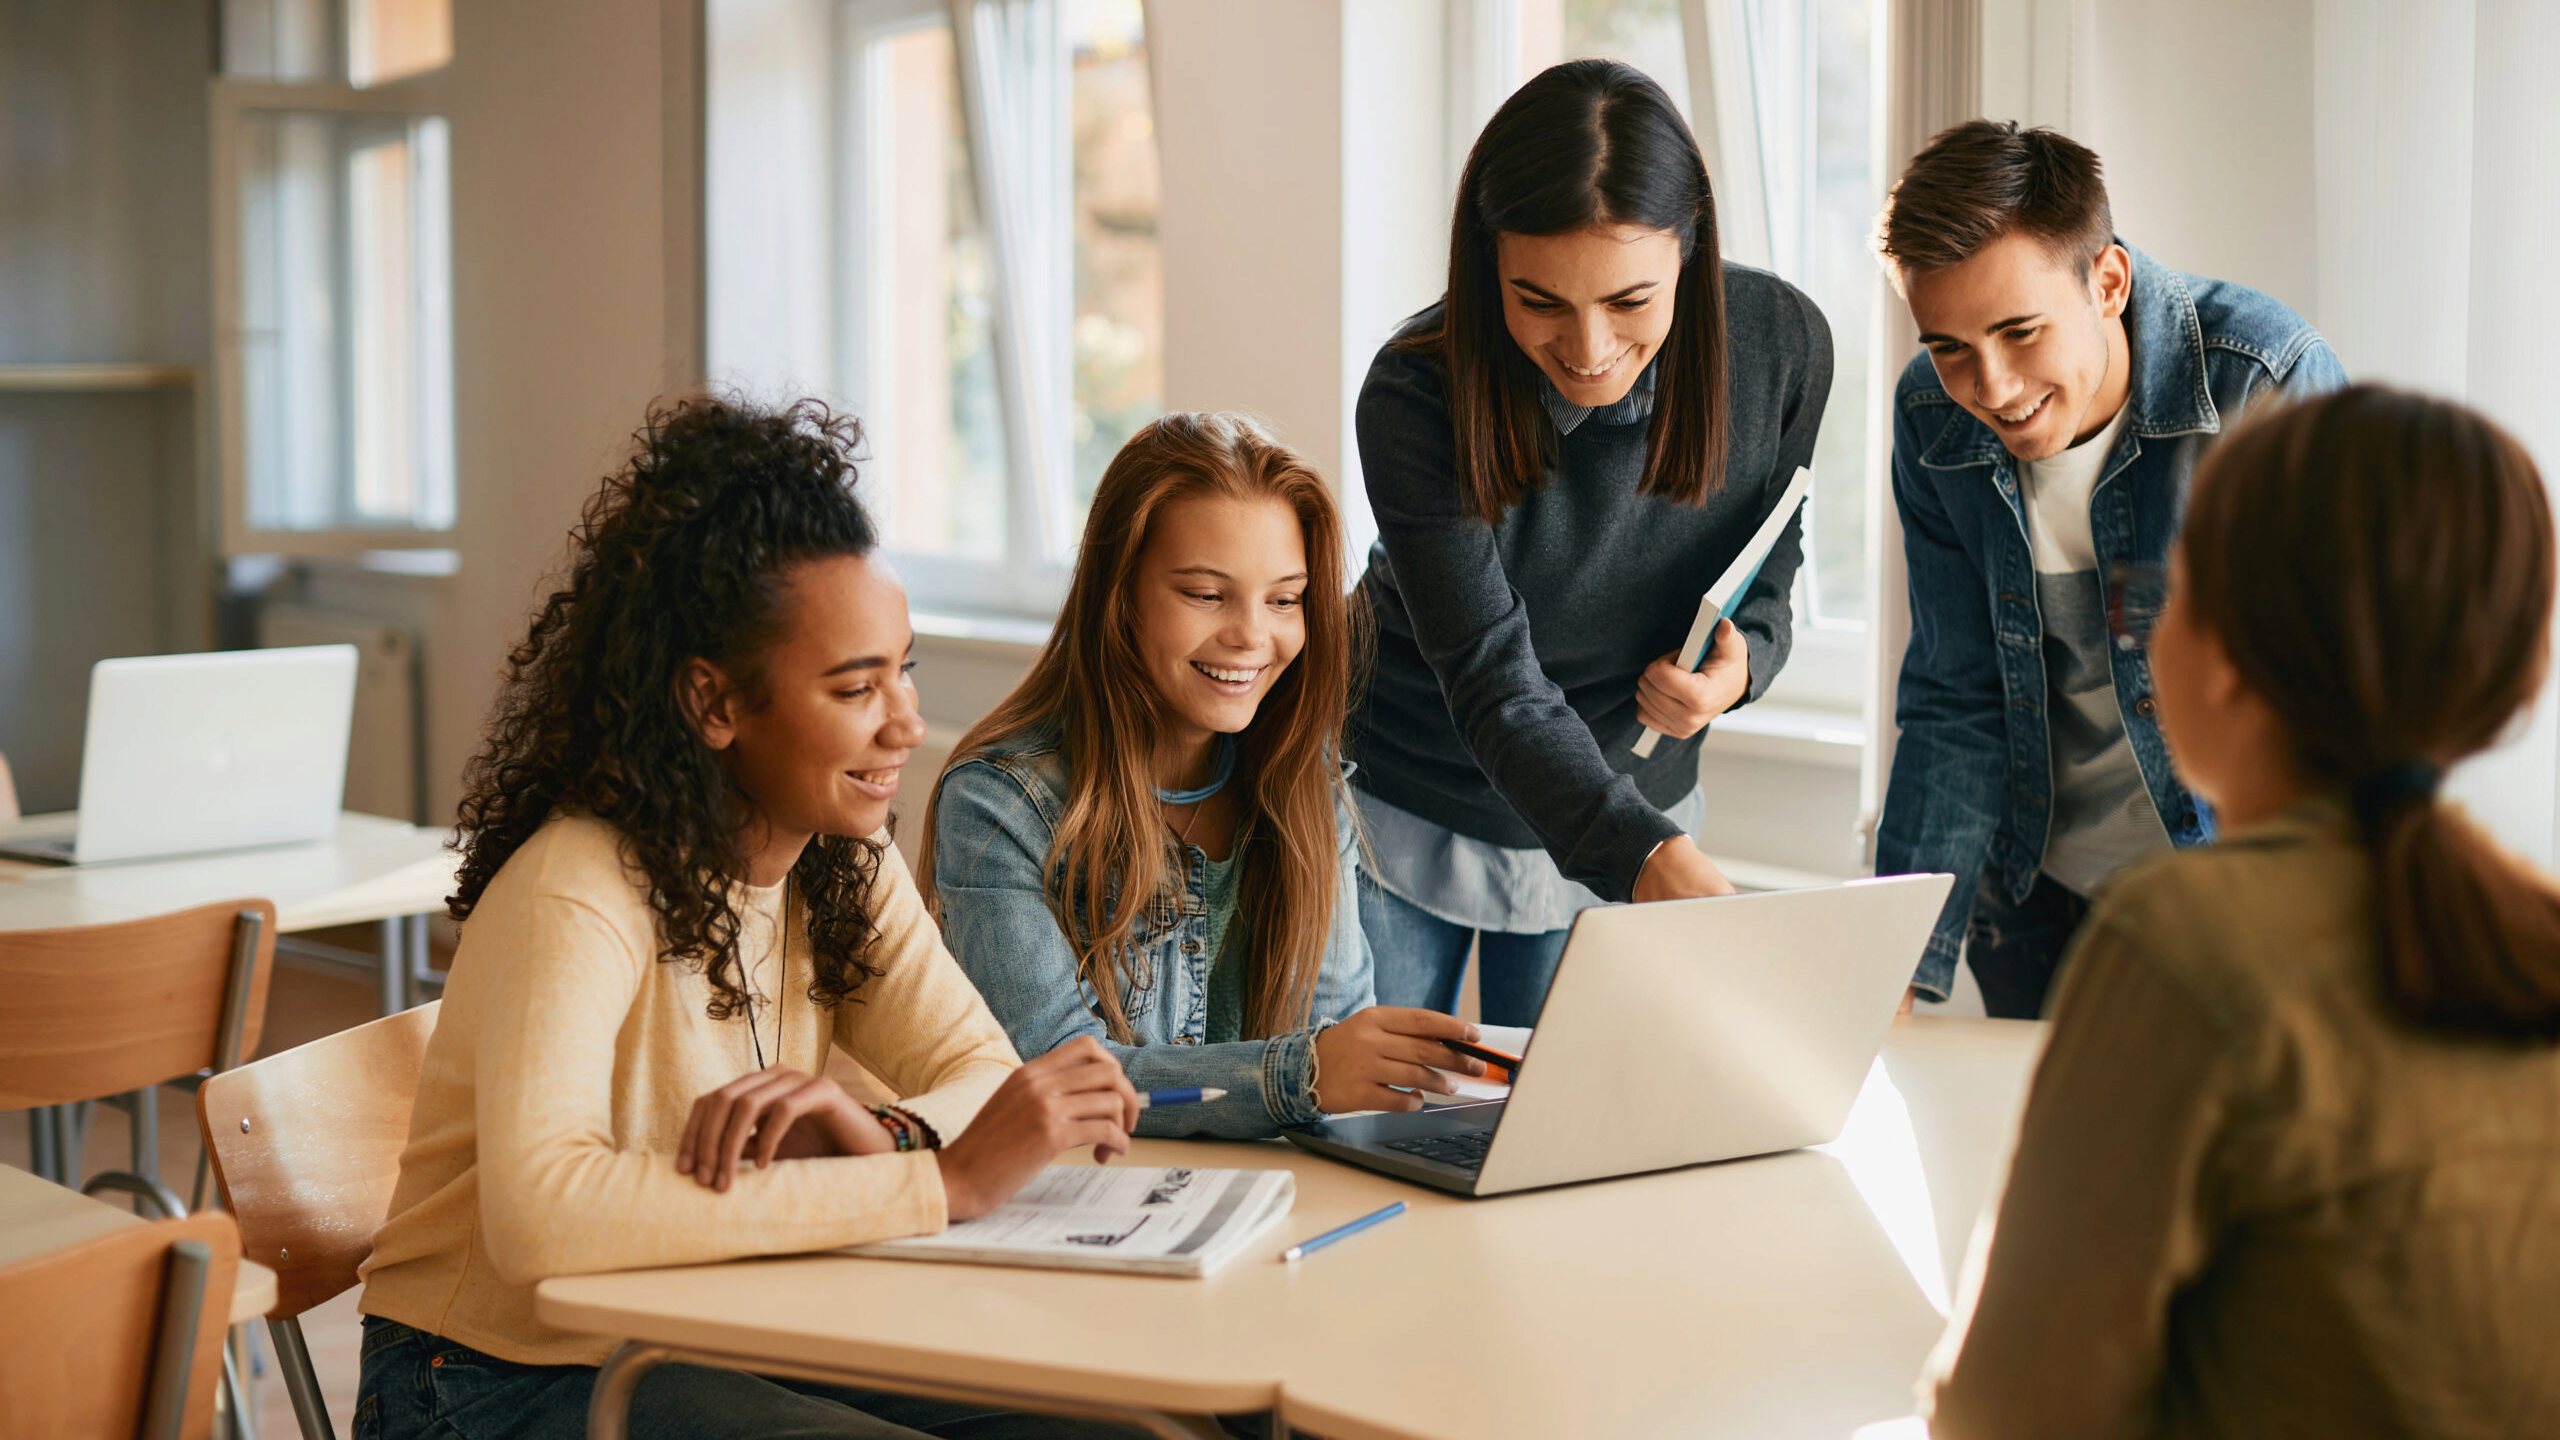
[[2041, 451]]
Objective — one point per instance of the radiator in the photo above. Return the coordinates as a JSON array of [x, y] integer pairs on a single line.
[[384, 760]]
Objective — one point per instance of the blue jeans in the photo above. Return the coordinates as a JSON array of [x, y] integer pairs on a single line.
[[420, 1385], [2016, 951], [1420, 959]]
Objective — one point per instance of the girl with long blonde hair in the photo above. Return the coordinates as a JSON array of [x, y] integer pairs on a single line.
[[1150, 841]]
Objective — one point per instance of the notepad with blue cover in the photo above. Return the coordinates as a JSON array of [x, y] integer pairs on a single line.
[[1135, 1219], [1729, 587]]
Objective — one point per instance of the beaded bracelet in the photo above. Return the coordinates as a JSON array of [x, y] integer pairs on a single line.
[[900, 1128]]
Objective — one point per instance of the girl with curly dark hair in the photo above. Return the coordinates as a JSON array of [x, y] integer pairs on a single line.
[[678, 899]]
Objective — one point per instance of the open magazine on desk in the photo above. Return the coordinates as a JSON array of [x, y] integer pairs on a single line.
[[1136, 1219]]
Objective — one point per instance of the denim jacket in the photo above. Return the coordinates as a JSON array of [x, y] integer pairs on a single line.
[[993, 823], [1972, 782]]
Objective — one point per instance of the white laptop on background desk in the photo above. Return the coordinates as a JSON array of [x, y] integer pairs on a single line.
[[191, 753], [1676, 1033]]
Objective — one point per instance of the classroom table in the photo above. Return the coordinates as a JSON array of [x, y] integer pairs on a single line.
[[1790, 1295], [38, 1217], [372, 869]]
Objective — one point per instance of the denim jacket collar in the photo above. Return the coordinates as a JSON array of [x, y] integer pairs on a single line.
[[1628, 409], [2167, 395]]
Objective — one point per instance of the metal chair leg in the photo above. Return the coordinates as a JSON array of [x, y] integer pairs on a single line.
[[71, 1128], [236, 1396], [394, 945], [301, 1382], [149, 1194], [44, 1146], [164, 1413], [144, 1106]]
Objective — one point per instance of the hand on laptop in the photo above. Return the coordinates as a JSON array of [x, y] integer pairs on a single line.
[[1380, 1058]]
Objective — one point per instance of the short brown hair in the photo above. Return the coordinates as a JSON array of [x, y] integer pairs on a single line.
[[1984, 178]]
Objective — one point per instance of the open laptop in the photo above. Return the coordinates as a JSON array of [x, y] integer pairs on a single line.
[[188, 753], [1676, 1033]]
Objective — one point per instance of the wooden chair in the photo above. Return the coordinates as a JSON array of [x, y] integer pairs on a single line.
[[103, 1010], [120, 1334], [307, 1146]]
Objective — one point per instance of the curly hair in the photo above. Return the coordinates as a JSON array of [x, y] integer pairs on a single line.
[[682, 554]]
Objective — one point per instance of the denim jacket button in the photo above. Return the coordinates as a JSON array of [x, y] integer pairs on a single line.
[[1192, 947], [2145, 707]]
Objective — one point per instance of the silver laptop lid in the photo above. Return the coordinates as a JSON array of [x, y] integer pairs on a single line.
[[186, 753], [1697, 1030]]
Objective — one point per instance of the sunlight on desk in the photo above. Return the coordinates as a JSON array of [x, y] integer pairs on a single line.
[[1882, 1155]]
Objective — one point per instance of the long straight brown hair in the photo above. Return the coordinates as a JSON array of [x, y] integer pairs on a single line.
[[2378, 565], [1588, 142], [1090, 686]]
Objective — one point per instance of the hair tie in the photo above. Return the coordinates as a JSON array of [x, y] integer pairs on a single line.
[[2385, 792]]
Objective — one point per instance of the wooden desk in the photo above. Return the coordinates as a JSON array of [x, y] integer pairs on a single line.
[[1791, 1295], [37, 1216], [372, 869]]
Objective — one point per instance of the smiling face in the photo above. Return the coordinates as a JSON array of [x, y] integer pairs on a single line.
[[2033, 350], [1592, 306], [1220, 610], [818, 751]]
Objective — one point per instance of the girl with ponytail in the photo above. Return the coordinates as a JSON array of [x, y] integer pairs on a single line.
[[2291, 1162]]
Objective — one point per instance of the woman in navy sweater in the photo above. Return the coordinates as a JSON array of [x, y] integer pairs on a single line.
[[1562, 455]]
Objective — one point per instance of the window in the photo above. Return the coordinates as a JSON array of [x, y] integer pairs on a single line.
[[1643, 33], [1814, 70], [974, 270], [333, 290]]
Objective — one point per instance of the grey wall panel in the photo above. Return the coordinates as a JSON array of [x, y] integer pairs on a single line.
[[84, 571]]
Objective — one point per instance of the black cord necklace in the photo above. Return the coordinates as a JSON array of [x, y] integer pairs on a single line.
[[782, 947]]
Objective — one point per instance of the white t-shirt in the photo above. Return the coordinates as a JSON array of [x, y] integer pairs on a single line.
[[2103, 818]]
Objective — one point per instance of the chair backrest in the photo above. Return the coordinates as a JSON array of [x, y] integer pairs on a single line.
[[81, 1334], [307, 1145], [101, 1009]]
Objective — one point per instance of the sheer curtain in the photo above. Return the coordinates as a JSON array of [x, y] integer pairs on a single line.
[[1015, 80]]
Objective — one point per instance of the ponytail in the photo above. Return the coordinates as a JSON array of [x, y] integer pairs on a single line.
[[2379, 567], [2470, 935]]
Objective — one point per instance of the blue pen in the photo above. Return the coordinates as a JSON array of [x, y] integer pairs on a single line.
[[1188, 1095], [1338, 1232]]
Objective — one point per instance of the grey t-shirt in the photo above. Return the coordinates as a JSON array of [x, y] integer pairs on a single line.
[[2103, 817]]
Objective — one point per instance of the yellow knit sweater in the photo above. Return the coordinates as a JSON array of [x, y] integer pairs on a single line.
[[567, 1057]]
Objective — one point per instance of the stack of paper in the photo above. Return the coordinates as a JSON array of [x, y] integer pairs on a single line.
[[1132, 1218]]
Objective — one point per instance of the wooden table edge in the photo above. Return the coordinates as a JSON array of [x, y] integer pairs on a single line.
[[923, 1365]]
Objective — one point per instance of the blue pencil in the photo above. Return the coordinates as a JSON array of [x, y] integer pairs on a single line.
[[1306, 1247], [1187, 1095]]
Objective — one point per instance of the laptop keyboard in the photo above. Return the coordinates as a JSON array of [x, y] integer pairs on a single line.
[[1465, 1149]]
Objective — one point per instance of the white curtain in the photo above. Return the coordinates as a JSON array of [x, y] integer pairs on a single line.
[[1015, 81]]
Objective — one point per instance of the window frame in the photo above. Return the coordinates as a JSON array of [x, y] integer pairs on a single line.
[[230, 102], [1030, 292]]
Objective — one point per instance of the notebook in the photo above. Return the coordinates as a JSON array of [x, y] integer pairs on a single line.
[[1136, 1219], [1729, 586]]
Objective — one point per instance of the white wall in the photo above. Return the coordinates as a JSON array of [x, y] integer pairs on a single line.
[[1250, 123], [576, 280], [2390, 168]]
